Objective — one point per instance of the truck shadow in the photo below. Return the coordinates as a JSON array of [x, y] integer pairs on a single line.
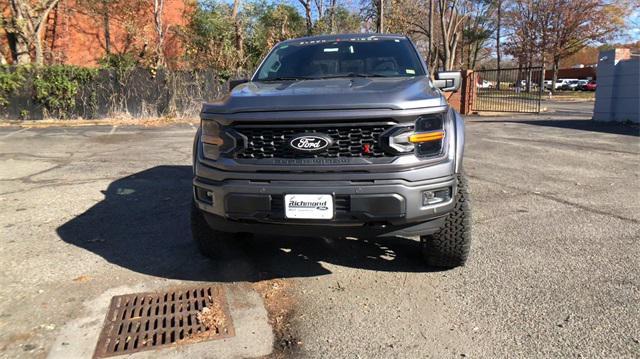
[[142, 225]]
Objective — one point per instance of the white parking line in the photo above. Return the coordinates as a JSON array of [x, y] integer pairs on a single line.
[[14, 133], [113, 130]]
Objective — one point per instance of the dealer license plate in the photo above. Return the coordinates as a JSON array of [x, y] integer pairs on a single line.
[[308, 206]]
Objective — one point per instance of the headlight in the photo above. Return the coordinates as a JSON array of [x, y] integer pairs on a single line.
[[213, 140], [429, 135], [424, 140]]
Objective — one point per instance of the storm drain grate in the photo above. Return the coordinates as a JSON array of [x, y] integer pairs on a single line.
[[145, 321]]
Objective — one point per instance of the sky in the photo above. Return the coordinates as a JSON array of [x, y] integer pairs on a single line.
[[634, 22], [632, 35]]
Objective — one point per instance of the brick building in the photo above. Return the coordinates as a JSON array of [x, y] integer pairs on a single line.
[[75, 32]]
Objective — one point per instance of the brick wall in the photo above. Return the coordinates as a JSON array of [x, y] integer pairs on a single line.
[[74, 36], [580, 73], [462, 99]]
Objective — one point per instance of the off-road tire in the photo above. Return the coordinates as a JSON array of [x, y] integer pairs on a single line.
[[449, 247], [211, 243]]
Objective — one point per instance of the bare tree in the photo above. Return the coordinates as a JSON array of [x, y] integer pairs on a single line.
[[332, 15], [106, 26], [381, 16], [498, 28], [550, 30], [478, 29], [319, 7], [450, 25], [239, 33], [28, 23], [571, 30], [306, 4], [158, 11]]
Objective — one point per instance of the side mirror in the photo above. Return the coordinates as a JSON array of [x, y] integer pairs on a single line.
[[448, 80], [233, 83]]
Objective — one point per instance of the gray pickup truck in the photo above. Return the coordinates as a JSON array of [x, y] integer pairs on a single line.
[[335, 136]]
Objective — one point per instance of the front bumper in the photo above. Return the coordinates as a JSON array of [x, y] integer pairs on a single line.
[[374, 207]]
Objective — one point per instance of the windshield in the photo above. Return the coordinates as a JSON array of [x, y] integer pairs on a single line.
[[362, 57]]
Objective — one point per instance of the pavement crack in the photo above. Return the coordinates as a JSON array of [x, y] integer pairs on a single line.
[[559, 200], [559, 144]]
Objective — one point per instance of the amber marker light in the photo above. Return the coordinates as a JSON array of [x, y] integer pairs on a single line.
[[426, 136]]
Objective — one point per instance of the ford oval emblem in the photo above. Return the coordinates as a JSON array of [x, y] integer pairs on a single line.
[[310, 142]]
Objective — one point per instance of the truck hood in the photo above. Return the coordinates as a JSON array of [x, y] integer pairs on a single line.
[[329, 94]]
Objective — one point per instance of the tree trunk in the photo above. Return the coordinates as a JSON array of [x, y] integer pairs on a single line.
[[39, 53], [556, 62], [498, 25], [333, 16], [38, 34], [320, 8], [105, 24], [158, 10], [430, 52], [443, 31], [307, 14], [474, 60], [381, 17], [239, 35], [20, 32], [22, 56]]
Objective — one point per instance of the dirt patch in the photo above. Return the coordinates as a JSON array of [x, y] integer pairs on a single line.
[[279, 302]]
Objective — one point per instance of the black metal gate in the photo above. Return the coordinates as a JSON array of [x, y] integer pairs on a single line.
[[508, 90]]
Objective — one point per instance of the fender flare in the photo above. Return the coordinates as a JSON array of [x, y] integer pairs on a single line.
[[459, 130]]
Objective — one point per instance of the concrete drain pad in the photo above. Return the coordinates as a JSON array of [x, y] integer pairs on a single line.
[[244, 333], [144, 321]]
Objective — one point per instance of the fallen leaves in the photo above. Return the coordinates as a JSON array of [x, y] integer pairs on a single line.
[[82, 279], [212, 317]]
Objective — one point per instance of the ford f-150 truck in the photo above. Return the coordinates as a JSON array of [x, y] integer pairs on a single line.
[[335, 136]]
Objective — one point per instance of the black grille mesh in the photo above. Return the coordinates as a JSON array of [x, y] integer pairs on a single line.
[[348, 141]]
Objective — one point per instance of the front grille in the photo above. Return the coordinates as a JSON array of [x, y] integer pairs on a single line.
[[358, 140]]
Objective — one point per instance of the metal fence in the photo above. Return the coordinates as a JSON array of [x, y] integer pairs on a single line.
[[508, 90]]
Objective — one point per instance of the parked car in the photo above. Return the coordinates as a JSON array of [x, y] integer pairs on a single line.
[[570, 85], [590, 86], [485, 84], [563, 83], [581, 84], [547, 84], [523, 85], [335, 136]]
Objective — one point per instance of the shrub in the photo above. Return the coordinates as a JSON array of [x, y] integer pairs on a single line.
[[11, 79], [56, 87]]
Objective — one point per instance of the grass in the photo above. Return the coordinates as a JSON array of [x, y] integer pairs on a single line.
[[574, 95]]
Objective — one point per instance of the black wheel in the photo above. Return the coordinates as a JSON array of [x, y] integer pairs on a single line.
[[212, 243], [449, 247]]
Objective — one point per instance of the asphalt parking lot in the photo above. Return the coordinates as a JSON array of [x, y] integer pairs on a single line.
[[90, 212]]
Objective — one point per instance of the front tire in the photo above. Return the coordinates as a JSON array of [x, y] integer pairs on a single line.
[[211, 243], [449, 247]]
